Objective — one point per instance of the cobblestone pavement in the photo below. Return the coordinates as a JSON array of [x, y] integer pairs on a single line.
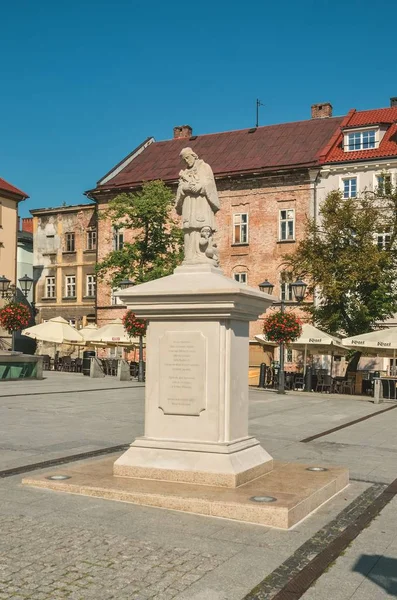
[[42, 561]]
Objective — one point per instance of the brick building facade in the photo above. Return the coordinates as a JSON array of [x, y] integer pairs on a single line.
[[266, 182], [65, 253]]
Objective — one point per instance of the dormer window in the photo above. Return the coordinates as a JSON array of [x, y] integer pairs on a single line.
[[360, 140]]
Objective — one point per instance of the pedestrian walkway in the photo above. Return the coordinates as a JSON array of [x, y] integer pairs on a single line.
[[368, 569], [58, 546]]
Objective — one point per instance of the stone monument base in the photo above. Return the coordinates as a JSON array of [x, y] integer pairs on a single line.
[[280, 498], [224, 465]]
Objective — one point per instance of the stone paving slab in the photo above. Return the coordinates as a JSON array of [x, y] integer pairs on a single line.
[[54, 424], [368, 569], [97, 545]]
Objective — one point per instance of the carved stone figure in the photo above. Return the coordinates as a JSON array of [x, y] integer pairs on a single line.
[[197, 201]]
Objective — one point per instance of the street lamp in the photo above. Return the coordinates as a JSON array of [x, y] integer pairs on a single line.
[[26, 283], [126, 283], [4, 286], [298, 290], [9, 290]]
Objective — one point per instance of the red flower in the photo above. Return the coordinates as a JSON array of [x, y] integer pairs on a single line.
[[14, 316]]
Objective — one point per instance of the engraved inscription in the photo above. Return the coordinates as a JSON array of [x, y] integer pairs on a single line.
[[182, 384]]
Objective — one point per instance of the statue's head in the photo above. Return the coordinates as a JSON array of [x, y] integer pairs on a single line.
[[188, 156]]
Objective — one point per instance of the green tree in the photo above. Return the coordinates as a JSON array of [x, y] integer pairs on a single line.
[[156, 248], [352, 276]]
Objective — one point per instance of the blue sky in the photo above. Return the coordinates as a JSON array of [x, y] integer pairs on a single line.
[[83, 82]]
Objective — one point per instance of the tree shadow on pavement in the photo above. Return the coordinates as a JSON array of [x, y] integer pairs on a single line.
[[379, 569]]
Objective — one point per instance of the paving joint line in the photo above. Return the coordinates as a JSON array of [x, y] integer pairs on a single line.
[[53, 462], [125, 387], [297, 574], [349, 424]]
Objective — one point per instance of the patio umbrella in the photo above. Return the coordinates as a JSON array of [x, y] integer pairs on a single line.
[[56, 330], [382, 342], [86, 333], [112, 334], [315, 341], [264, 341]]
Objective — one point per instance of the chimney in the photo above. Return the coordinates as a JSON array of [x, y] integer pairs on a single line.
[[182, 131], [321, 111], [27, 224], [393, 101]]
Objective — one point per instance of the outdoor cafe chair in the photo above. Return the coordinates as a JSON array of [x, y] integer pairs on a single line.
[[348, 386], [324, 383]]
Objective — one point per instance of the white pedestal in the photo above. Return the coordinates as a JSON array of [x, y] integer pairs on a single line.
[[196, 404]]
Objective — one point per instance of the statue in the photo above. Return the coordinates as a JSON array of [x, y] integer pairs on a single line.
[[197, 201]]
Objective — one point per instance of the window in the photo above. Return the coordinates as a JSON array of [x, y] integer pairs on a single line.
[[350, 188], [240, 277], [285, 287], [240, 228], [69, 242], [91, 239], [50, 287], [287, 224], [383, 240], [70, 286], [91, 285], [383, 184], [115, 300], [288, 356], [118, 239], [361, 140]]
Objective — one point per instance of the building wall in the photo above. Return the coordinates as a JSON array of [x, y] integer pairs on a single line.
[[8, 248], [332, 176], [261, 258], [25, 263], [8, 237], [52, 259]]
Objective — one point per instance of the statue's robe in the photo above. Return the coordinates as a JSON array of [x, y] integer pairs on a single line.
[[197, 209]]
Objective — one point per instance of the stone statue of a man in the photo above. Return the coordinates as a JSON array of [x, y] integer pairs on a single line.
[[197, 201]]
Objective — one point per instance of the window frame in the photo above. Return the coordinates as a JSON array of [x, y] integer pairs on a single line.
[[118, 239], [68, 240], [89, 243], [91, 284], [380, 189], [241, 226], [361, 133], [286, 291], [242, 274], [115, 300], [50, 286], [69, 284], [381, 237], [343, 187], [286, 221]]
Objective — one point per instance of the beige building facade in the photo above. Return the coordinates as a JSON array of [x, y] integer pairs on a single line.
[[65, 254]]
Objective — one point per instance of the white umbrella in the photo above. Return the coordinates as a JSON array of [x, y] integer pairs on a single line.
[[264, 341], [315, 341], [56, 330], [382, 342], [112, 334], [87, 332]]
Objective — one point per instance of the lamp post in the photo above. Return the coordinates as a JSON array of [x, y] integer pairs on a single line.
[[126, 283], [9, 290], [298, 290]]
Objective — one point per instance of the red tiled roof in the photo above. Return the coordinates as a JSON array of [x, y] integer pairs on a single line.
[[7, 187], [366, 118], [231, 152]]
